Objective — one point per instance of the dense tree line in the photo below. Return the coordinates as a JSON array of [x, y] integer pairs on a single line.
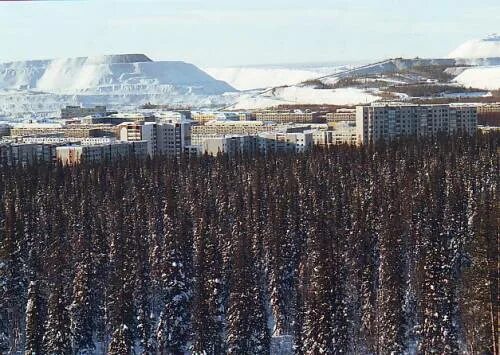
[[377, 250]]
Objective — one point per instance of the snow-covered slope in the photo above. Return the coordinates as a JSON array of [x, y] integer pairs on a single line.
[[256, 78], [305, 95], [267, 76], [480, 77], [487, 47], [108, 74], [44, 86]]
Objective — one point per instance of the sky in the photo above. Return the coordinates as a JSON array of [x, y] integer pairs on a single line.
[[234, 32]]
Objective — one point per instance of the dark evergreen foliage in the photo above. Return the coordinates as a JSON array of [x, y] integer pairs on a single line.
[[385, 250]]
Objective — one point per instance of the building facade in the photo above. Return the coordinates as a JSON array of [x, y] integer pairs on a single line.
[[78, 111], [215, 129], [342, 114], [289, 116], [279, 142], [163, 138], [75, 154], [386, 122], [343, 132]]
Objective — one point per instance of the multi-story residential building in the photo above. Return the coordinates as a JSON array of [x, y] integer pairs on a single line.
[[494, 107], [163, 138], [224, 128], [342, 114], [489, 115], [70, 130], [4, 130], [206, 116], [289, 116], [284, 142], [230, 145], [343, 132], [75, 154], [26, 153], [172, 116], [247, 116], [390, 121], [17, 154], [65, 140], [78, 111]]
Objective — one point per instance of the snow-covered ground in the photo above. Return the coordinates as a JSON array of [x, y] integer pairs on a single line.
[[487, 47], [305, 95], [480, 77], [262, 76]]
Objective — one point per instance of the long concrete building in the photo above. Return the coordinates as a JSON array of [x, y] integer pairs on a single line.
[[391, 121], [215, 129], [75, 154]]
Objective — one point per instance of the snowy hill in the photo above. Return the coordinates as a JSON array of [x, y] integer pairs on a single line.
[[107, 74], [480, 77], [487, 47], [43, 86], [266, 76], [391, 79]]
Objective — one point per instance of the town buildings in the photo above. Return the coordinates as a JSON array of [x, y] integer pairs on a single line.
[[171, 134]]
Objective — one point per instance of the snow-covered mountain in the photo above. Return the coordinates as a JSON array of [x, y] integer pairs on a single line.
[[108, 74], [487, 47], [44, 86]]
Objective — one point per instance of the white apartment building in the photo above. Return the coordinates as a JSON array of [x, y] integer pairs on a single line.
[[75, 154], [284, 142], [341, 114], [207, 116], [163, 138], [229, 145], [342, 132], [215, 129], [67, 140], [391, 121]]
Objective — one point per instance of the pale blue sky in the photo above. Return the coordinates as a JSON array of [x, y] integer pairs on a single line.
[[224, 32]]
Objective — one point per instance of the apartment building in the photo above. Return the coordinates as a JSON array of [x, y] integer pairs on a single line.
[[342, 132], [342, 114], [215, 129], [207, 116], [289, 116], [4, 130], [390, 121], [489, 115], [26, 153], [71, 130], [163, 138], [284, 142], [78, 111], [75, 154], [494, 107], [230, 145]]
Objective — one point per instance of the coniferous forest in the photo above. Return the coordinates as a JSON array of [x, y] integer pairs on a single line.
[[377, 250]]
